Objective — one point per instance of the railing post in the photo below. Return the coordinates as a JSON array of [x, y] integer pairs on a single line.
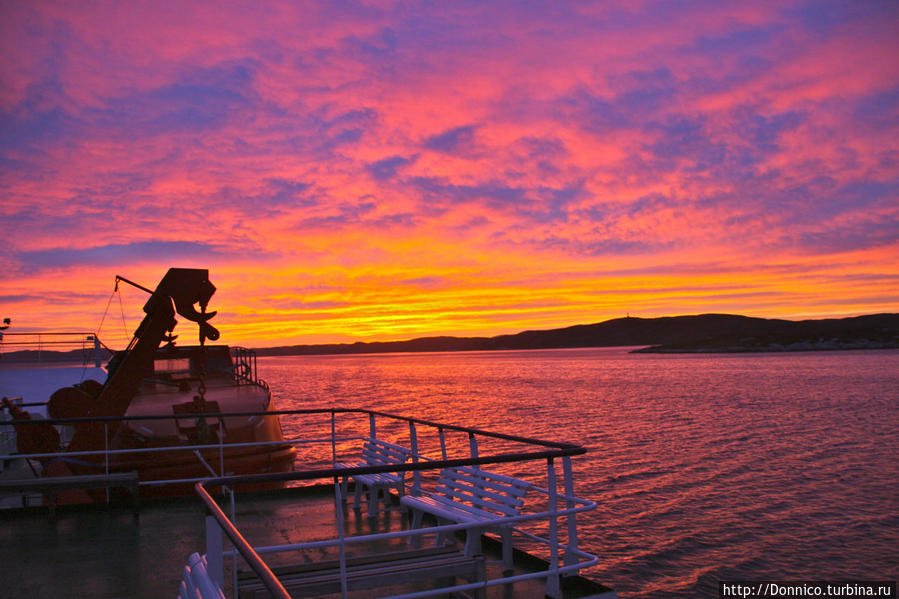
[[338, 498], [106, 446], [372, 431], [473, 445], [222, 448], [234, 554], [97, 359], [413, 445], [106, 454], [333, 440], [215, 561], [571, 548], [552, 580], [442, 435]]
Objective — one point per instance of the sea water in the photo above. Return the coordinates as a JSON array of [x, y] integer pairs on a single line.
[[705, 467]]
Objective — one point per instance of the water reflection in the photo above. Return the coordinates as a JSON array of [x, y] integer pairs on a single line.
[[705, 467]]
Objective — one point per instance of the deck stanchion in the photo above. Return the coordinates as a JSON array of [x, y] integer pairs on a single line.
[[215, 564], [571, 548], [552, 580], [234, 554], [473, 445], [338, 499], [222, 448], [333, 439], [372, 431], [413, 445], [106, 446], [97, 359], [442, 435], [106, 452]]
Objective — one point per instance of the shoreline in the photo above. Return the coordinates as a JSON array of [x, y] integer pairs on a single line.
[[704, 333], [774, 348]]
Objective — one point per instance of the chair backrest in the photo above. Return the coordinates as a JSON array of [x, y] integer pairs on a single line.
[[376, 452], [480, 490]]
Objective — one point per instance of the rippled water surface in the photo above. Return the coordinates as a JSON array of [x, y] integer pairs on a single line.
[[705, 467]]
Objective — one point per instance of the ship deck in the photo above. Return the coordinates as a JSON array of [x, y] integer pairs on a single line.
[[93, 551], [107, 552]]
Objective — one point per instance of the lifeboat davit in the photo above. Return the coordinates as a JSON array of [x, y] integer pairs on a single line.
[[172, 414]]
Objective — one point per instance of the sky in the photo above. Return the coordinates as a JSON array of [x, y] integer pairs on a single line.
[[357, 171]]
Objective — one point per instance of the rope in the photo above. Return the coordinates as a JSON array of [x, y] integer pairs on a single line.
[[109, 301], [122, 307], [99, 328]]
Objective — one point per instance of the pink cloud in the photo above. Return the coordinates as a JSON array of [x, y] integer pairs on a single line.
[[500, 150]]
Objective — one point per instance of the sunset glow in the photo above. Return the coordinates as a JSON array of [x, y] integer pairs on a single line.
[[351, 171]]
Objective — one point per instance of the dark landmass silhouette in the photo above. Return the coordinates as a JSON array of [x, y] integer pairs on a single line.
[[74, 356], [671, 334], [706, 333]]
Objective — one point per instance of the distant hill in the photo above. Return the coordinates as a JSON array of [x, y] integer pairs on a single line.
[[700, 333], [670, 334]]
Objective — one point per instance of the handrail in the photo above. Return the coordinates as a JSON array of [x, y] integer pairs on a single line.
[[252, 555], [252, 558], [276, 588], [88, 343], [476, 431], [503, 458], [36, 334], [587, 506], [533, 450], [308, 411], [550, 449]]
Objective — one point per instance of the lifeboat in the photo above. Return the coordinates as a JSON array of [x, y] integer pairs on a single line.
[[167, 449]]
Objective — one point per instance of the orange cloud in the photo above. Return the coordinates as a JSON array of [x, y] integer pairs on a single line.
[[398, 170]]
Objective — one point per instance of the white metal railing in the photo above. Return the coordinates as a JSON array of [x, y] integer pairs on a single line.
[[107, 454], [54, 347], [329, 434], [573, 559], [565, 557], [105, 459]]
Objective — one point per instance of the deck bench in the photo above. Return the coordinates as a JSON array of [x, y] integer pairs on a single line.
[[376, 452], [469, 495], [52, 486], [369, 571]]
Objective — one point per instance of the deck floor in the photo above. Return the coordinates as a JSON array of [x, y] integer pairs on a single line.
[[106, 552]]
